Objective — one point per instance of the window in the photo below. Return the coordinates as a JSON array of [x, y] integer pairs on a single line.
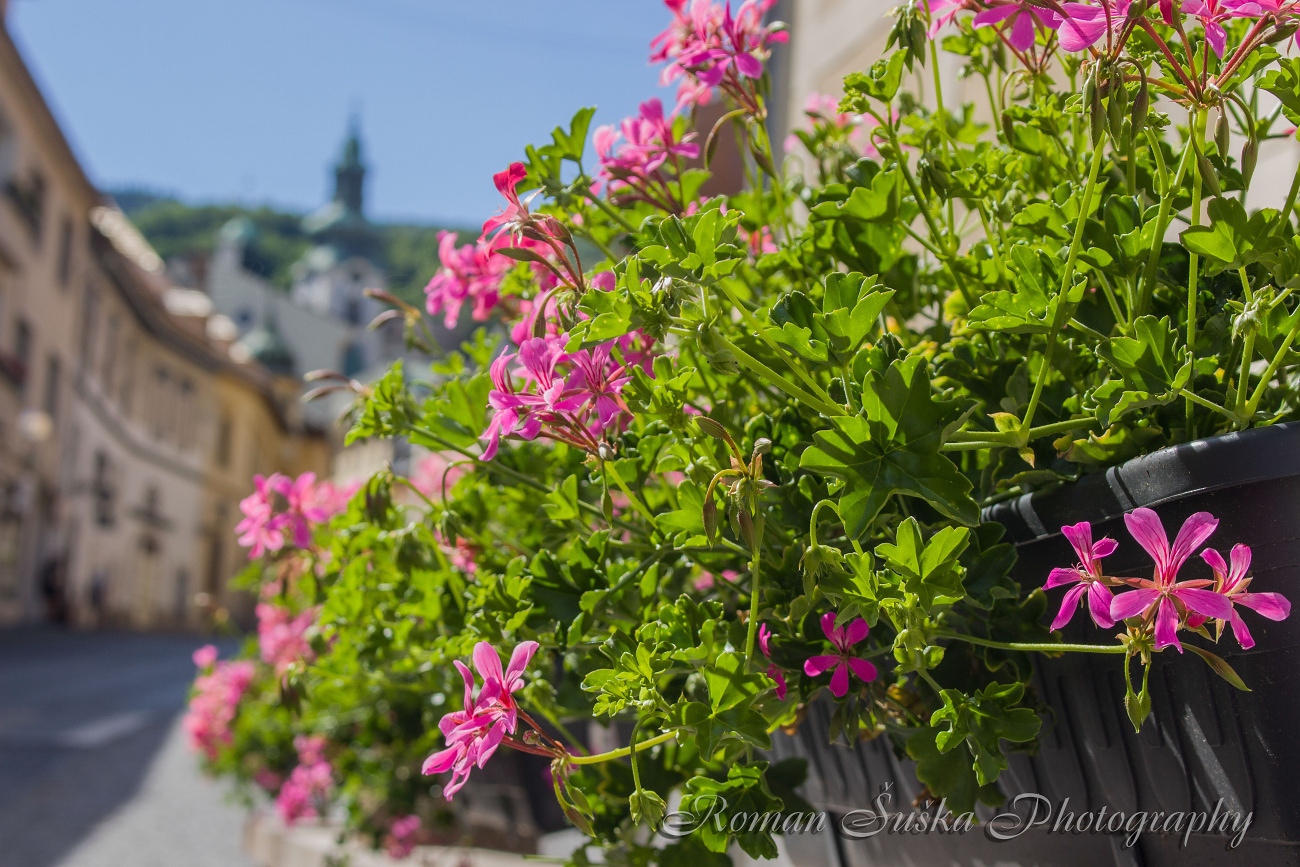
[[28, 198], [22, 349], [161, 402], [102, 490], [110, 354], [8, 148], [65, 252], [225, 433], [53, 369], [89, 317]]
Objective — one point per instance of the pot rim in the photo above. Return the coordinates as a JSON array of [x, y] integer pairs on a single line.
[[1164, 476]]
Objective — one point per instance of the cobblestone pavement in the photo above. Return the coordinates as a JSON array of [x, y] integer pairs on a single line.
[[94, 769]]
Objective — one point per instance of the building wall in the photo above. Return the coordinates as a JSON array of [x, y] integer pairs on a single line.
[[128, 434], [44, 202]]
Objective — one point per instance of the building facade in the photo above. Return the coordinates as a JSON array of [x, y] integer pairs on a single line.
[[128, 432]]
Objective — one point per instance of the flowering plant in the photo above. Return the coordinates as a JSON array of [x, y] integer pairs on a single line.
[[808, 387]]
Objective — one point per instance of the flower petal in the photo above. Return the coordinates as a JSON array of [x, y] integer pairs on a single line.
[[1058, 577], [1192, 535], [1206, 602], [856, 631], [1167, 625], [840, 679], [488, 663], [1099, 599], [1242, 632], [816, 665], [828, 627], [1104, 548], [1069, 605], [523, 654], [1274, 606], [1145, 527], [1133, 603], [862, 668]]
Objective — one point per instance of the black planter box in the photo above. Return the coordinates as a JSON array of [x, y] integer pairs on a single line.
[[1204, 744]]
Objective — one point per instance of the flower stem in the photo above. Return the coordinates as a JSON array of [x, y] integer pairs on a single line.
[[621, 752], [1198, 134], [1272, 369], [776, 379], [633, 498], [1162, 223], [1035, 648], [755, 590], [1067, 278]]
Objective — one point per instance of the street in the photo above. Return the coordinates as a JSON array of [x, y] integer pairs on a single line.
[[94, 768]]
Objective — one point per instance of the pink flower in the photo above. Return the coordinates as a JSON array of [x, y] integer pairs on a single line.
[[1163, 598], [1212, 14], [402, 834], [1232, 582], [215, 702], [515, 214], [436, 473], [261, 530], [773, 671], [633, 156], [713, 48], [307, 505], [205, 656], [843, 638], [572, 397], [468, 274], [942, 12], [305, 793], [707, 578], [1088, 573], [1083, 24], [1020, 18], [473, 733], [282, 636]]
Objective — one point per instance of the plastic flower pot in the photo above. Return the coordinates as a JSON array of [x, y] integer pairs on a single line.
[[1204, 744]]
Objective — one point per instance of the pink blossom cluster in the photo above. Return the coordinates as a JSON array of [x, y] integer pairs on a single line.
[[470, 274], [707, 47], [474, 732], [282, 511], [281, 636], [574, 397], [212, 707], [437, 472], [402, 836], [306, 792], [1079, 26], [1163, 602], [633, 154]]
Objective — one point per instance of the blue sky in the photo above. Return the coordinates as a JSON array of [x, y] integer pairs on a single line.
[[248, 100]]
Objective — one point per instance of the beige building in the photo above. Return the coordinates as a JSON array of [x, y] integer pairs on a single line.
[[128, 434]]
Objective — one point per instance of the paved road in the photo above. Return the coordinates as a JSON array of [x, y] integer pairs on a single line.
[[94, 770]]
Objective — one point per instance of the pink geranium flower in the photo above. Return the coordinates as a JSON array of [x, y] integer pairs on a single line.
[[1163, 598], [1232, 582], [1088, 573], [475, 731], [1212, 14], [515, 214], [307, 505], [281, 636], [843, 639], [773, 671], [1019, 19], [262, 529], [1084, 24], [402, 834]]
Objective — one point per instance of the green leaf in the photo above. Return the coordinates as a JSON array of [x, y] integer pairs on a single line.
[[1219, 666], [894, 450]]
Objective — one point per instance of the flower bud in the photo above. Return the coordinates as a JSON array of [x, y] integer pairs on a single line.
[[1209, 177], [1141, 105], [1008, 127], [1116, 105], [1249, 156], [1221, 132]]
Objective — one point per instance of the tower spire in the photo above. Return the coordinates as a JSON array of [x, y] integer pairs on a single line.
[[350, 173]]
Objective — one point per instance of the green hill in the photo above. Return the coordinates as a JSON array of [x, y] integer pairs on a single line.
[[180, 230]]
